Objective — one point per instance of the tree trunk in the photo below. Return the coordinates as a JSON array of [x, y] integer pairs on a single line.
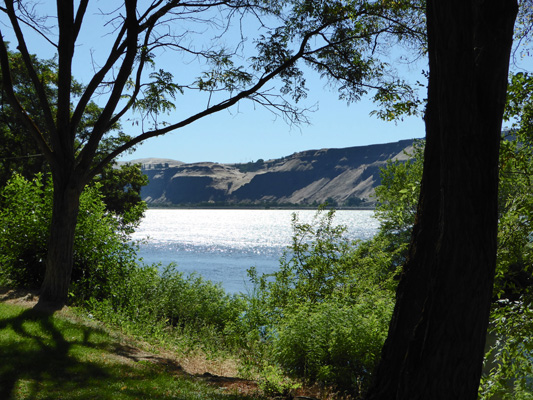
[[60, 257], [436, 339]]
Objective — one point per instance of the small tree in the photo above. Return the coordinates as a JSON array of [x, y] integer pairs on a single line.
[[337, 39]]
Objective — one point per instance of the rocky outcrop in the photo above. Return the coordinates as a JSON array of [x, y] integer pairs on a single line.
[[345, 176]]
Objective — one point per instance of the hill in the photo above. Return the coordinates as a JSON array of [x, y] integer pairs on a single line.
[[345, 177]]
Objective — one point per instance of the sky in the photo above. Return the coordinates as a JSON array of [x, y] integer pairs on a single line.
[[245, 132]]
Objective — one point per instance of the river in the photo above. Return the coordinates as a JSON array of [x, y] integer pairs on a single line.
[[221, 245]]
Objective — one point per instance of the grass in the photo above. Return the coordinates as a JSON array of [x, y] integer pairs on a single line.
[[51, 357]]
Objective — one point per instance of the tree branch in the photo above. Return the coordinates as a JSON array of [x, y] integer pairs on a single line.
[[7, 85], [131, 23], [32, 24], [213, 109], [23, 49], [116, 52], [65, 21], [80, 14]]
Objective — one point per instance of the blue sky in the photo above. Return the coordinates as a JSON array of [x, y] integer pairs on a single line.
[[248, 132], [245, 134]]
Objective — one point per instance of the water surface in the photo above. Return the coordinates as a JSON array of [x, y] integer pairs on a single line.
[[222, 244]]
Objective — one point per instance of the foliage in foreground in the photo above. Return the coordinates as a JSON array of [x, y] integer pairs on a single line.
[[46, 357], [103, 256], [323, 316], [163, 304], [509, 363], [511, 356]]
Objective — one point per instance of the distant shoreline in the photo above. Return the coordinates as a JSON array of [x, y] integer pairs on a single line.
[[251, 207]]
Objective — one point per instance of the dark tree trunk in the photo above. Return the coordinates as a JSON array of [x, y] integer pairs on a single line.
[[435, 345], [59, 261]]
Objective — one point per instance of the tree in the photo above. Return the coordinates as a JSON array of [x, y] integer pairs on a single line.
[[121, 190], [337, 39], [508, 365], [436, 339], [19, 154]]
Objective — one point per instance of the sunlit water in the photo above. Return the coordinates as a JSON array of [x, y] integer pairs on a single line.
[[221, 245]]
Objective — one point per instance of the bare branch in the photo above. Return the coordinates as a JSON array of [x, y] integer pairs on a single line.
[[115, 54], [65, 20], [32, 23], [137, 85], [101, 126], [82, 8]]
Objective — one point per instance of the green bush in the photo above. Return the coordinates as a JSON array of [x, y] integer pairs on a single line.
[[149, 301], [105, 276], [24, 222], [509, 360], [333, 343], [323, 316], [103, 255]]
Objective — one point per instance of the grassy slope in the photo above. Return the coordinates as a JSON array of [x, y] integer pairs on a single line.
[[50, 357]]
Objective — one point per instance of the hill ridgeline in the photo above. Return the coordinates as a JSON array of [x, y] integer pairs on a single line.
[[343, 177]]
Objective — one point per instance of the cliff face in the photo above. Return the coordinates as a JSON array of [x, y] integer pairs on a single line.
[[347, 176]]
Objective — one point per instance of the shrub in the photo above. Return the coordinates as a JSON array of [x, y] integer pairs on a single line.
[[150, 300], [323, 316], [333, 343], [510, 359], [24, 223], [103, 255], [105, 276]]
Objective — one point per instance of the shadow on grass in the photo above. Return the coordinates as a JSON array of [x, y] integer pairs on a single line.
[[35, 351], [46, 357]]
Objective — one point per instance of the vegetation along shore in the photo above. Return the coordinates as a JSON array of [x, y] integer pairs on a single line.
[[313, 328]]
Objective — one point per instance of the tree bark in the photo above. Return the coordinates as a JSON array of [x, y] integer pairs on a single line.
[[435, 345], [60, 256]]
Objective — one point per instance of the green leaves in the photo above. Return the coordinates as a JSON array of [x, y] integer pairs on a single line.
[[509, 358], [158, 95], [396, 101], [397, 196], [332, 343], [102, 253], [121, 189], [224, 75], [24, 220], [323, 315]]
